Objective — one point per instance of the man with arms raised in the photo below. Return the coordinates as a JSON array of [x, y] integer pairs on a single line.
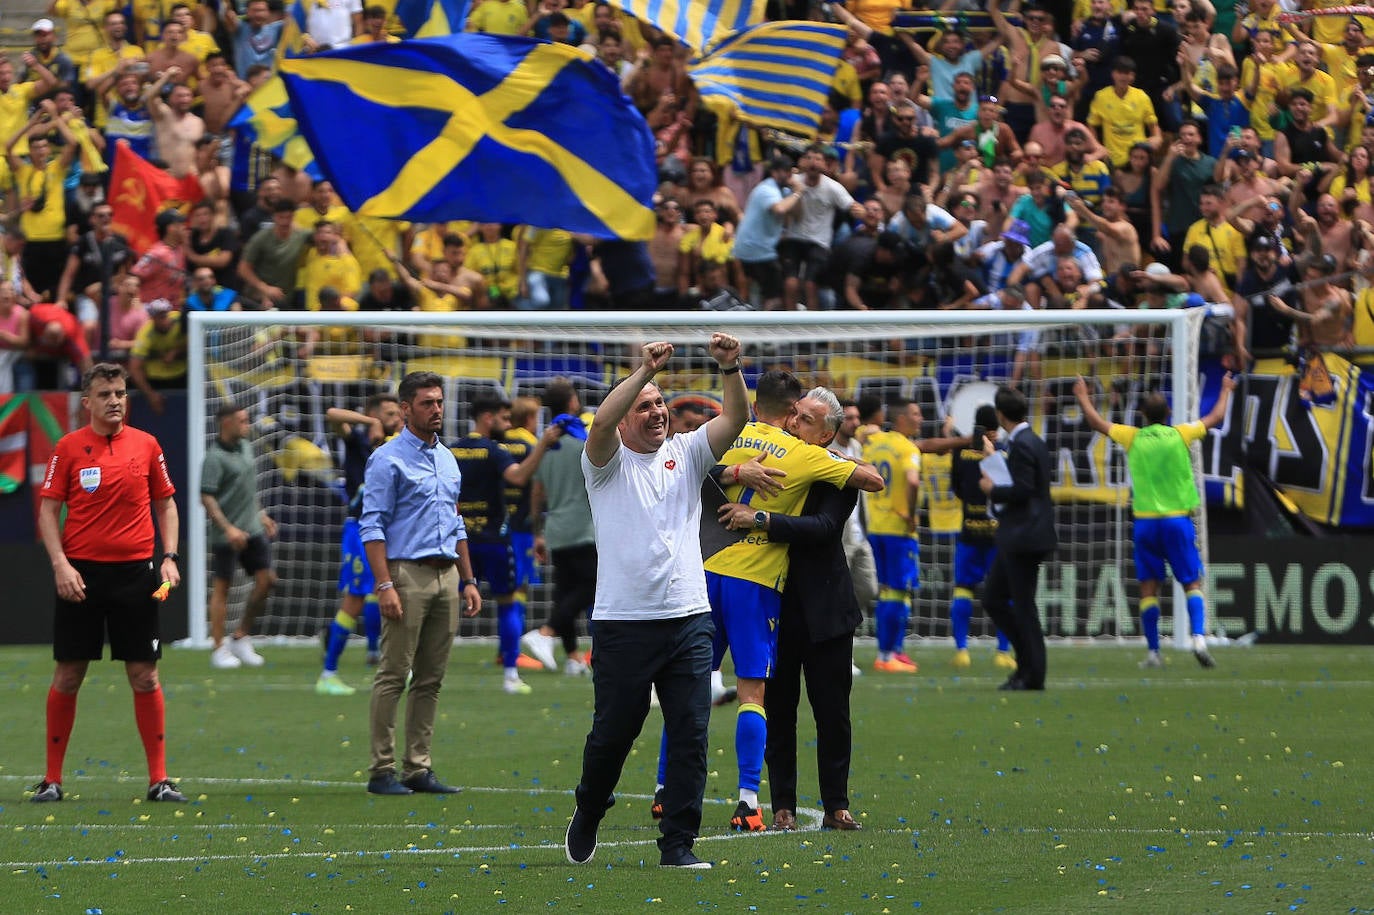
[[652, 616]]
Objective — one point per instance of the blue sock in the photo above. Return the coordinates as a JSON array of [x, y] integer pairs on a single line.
[[509, 627], [887, 619], [751, 734], [1003, 643], [1197, 612], [662, 758], [899, 624], [960, 613], [339, 631], [1149, 621], [372, 623]]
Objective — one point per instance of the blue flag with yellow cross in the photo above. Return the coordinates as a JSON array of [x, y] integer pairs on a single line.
[[480, 127]]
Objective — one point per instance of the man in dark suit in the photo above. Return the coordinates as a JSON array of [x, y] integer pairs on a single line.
[[815, 629], [1025, 538]]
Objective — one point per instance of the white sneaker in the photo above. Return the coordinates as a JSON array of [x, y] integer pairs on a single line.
[[517, 687], [540, 646], [855, 669], [574, 668], [1152, 659], [1200, 651], [243, 650], [222, 658]]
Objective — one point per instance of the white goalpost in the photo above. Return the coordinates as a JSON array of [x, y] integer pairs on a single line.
[[288, 368]]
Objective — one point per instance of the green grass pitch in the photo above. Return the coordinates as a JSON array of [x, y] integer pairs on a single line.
[[1243, 789]]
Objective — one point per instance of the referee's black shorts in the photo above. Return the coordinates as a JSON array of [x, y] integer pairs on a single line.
[[119, 602]]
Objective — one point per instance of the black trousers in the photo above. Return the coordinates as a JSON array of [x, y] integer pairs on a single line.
[[829, 676], [674, 656], [1009, 598], [574, 590]]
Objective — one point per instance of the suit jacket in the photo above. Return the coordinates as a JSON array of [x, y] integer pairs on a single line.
[[818, 583], [1025, 514]]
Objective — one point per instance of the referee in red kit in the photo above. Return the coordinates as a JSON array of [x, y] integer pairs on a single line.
[[112, 480]]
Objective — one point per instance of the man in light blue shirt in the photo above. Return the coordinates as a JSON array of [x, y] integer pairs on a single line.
[[756, 239], [417, 548]]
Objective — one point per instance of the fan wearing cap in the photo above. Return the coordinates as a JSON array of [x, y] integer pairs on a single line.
[[49, 54], [1000, 257], [1247, 187], [157, 360], [163, 267], [1258, 326]]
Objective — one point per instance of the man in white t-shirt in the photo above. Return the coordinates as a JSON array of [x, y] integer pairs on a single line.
[[806, 239], [652, 616], [333, 23]]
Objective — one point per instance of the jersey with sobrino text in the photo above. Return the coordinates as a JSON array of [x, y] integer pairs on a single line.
[[108, 483], [482, 503], [756, 558], [892, 455], [1162, 481], [978, 526]]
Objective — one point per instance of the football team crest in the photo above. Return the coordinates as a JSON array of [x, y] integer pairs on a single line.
[[90, 478]]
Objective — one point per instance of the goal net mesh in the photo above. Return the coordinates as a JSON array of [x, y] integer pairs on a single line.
[[289, 374]]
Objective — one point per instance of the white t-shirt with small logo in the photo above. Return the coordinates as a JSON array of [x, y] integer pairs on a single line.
[[646, 509]]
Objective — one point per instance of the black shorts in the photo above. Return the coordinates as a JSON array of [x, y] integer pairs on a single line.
[[768, 274], [119, 600], [804, 260], [253, 558]]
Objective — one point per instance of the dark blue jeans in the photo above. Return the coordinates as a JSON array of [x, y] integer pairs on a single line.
[[674, 656]]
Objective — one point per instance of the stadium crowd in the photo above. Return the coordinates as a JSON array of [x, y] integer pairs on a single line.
[[1064, 155]]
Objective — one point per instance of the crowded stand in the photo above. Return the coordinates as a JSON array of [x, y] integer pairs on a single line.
[[1063, 155]]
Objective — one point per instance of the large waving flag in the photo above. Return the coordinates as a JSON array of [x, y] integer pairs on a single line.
[[481, 127], [266, 120], [140, 190], [774, 75], [430, 18], [696, 23]]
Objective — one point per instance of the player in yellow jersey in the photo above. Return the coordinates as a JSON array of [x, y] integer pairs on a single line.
[[892, 517], [745, 580]]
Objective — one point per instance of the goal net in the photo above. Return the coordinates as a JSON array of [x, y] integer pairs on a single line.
[[288, 369]]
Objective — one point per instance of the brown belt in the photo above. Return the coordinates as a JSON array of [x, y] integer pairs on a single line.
[[434, 562]]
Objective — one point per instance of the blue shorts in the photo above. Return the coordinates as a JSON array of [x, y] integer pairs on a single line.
[[1171, 540], [748, 614], [522, 545], [971, 563], [355, 575], [897, 558], [493, 561]]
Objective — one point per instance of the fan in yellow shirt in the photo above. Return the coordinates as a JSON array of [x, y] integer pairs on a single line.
[[542, 257], [329, 263], [1124, 115]]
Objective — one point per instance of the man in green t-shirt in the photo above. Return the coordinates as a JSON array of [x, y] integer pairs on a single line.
[[240, 534], [1164, 493]]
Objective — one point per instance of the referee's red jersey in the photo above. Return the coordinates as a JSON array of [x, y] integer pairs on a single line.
[[108, 483]]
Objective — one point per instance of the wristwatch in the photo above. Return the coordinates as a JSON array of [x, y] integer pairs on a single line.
[[760, 520], [467, 581], [172, 556]]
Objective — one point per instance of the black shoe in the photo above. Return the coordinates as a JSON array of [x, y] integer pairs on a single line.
[[1013, 684], [46, 791], [683, 858], [580, 843], [386, 783], [747, 819], [166, 790], [426, 782]]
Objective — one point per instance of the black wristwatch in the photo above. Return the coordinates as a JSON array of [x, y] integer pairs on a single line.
[[175, 557], [760, 520], [467, 581]]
